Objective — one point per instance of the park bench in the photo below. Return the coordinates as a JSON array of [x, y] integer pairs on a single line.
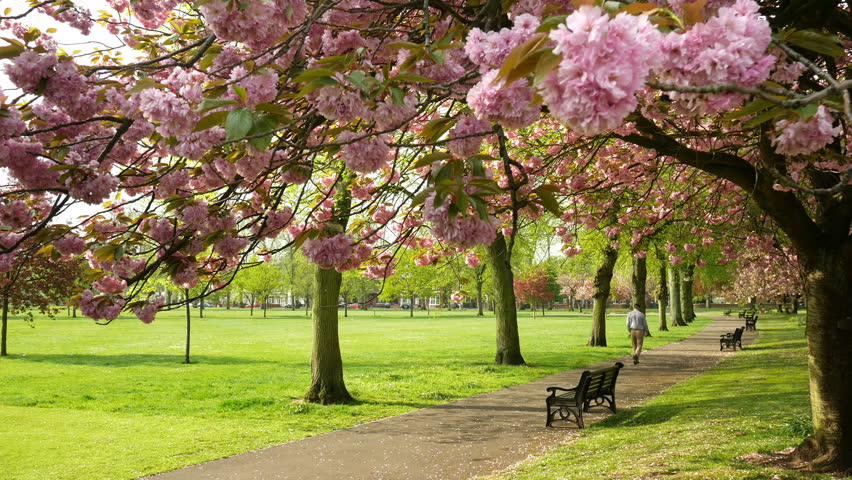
[[751, 323], [596, 386], [746, 313], [731, 340]]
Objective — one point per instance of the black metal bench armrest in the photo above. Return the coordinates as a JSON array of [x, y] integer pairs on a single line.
[[554, 389]]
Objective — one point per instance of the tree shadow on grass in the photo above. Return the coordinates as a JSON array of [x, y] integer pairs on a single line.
[[134, 360]]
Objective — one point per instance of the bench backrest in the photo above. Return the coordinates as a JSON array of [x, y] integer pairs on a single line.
[[602, 382], [738, 334]]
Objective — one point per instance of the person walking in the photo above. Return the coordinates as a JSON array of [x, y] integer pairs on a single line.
[[638, 328]]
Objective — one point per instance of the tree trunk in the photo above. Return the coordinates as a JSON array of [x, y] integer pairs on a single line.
[[479, 312], [674, 297], [411, 308], [228, 301], [686, 293], [603, 282], [796, 303], [508, 339], [662, 298], [201, 307], [327, 384], [640, 277], [4, 326], [828, 283], [188, 325]]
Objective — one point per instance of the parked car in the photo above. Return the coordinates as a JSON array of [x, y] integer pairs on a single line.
[[354, 306]]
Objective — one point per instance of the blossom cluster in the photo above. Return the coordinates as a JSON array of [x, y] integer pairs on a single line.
[[366, 155], [730, 47], [464, 232], [257, 24], [605, 61], [805, 136]]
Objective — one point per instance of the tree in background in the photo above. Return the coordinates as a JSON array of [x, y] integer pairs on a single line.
[[37, 283], [258, 282], [536, 287]]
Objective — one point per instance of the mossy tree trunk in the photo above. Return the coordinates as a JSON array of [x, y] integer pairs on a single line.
[[603, 282], [4, 327], [674, 300], [505, 310], [829, 331], [639, 281], [662, 298], [686, 283], [188, 328], [327, 384]]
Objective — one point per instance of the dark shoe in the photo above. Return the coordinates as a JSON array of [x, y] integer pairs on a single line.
[[635, 359]]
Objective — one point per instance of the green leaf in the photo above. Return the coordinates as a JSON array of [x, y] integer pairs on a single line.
[[313, 74], [421, 197], [430, 158], [816, 41], [530, 64], [749, 109], [765, 117], [410, 78], [437, 127], [519, 54], [547, 200], [241, 92], [476, 166], [551, 23], [238, 123], [211, 103], [316, 84], [547, 61], [481, 207], [808, 111], [263, 124], [210, 121], [358, 78], [10, 51], [143, 84], [397, 96]]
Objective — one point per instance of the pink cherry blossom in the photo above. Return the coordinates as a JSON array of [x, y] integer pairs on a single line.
[[257, 24], [511, 106], [147, 312], [329, 252], [805, 136], [467, 126], [605, 61], [110, 284], [366, 155]]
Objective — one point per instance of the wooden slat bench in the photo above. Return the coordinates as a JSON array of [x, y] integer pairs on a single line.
[[596, 387], [731, 340], [751, 323]]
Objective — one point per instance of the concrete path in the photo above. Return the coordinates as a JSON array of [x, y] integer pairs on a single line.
[[467, 438]]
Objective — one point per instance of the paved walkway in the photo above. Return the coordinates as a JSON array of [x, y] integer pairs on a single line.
[[466, 438]]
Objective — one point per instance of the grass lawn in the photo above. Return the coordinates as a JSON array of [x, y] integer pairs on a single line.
[[86, 401], [754, 402]]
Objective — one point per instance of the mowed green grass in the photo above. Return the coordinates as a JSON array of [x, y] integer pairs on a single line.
[[85, 401], [705, 428]]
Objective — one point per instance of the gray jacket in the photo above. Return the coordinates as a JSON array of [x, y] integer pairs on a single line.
[[636, 320]]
